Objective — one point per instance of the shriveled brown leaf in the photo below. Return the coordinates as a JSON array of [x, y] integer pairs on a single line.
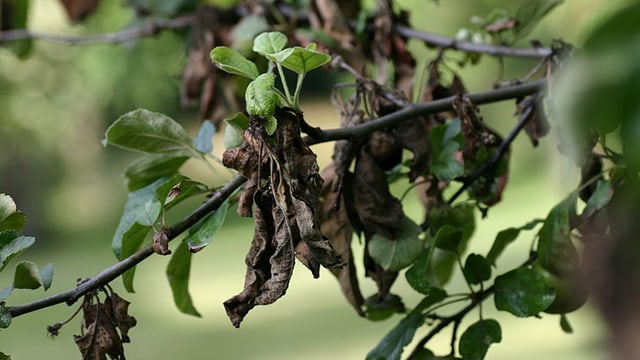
[[160, 242], [100, 336], [78, 10], [537, 125], [118, 310]]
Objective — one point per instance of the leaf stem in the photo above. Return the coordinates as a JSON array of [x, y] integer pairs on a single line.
[[285, 86]]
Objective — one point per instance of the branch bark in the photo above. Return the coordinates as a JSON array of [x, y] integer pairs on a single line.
[[406, 114]]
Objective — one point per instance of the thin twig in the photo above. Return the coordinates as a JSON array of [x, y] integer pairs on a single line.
[[151, 28], [409, 113]]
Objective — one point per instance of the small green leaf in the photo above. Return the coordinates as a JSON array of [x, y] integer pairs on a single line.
[[300, 60], [46, 276], [445, 141], [435, 296], [503, 239], [201, 234], [239, 120], [178, 271], [475, 341], [421, 276], [270, 125], [5, 317], [150, 168], [476, 269], [232, 137], [260, 97], [599, 199], [150, 132], [392, 345], [27, 276], [523, 292], [269, 43], [394, 255], [565, 325], [231, 61], [10, 217], [530, 13], [12, 244], [203, 141], [449, 238], [556, 252], [377, 309]]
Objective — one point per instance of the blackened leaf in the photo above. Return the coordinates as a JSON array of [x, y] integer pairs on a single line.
[[523, 292], [150, 168], [11, 245], [201, 234], [377, 308], [203, 139], [392, 345], [178, 271], [475, 341], [396, 254], [556, 252], [5, 317], [476, 269], [27, 276], [150, 132], [10, 217], [565, 325]]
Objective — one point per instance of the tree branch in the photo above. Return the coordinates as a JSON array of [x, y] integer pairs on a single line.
[[151, 28], [406, 114]]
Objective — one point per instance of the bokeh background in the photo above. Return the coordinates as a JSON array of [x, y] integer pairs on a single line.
[[54, 109]]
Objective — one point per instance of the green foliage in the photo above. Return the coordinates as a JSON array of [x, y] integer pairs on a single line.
[[392, 345], [476, 269], [529, 15], [475, 341], [523, 292], [396, 254], [178, 272], [445, 141], [556, 252], [506, 237], [261, 97]]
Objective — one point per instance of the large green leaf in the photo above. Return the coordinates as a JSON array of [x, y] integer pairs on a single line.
[[201, 234], [12, 244], [392, 345], [523, 292], [132, 241], [445, 140], [178, 271], [260, 97], [556, 252], [231, 61], [10, 217], [475, 341], [529, 15], [269, 43], [300, 60], [150, 132], [506, 237], [396, 254], [203, 139], [476, 269], [152, 167]]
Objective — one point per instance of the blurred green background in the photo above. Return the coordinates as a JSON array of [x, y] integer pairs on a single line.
[[54, 109]]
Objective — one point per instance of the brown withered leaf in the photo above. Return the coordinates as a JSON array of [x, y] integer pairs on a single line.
[[118, 310], [100, 337], [334, 223], [160, 242], [537, 125], [78, 10]]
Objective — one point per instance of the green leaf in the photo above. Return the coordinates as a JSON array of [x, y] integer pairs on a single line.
[[176, 189], [201, 234], [232, 137], [270, 125], [18, 10], [132, 241], [300, 60], [4, 356], [27, 276], [142, 208], [394, 255], [476, 269], [10, 217], [46, 276], [231, 61], [269, 43], [12, 244], [5, 317], [392, 345], [475, 341], [435, 296], [445, 140], [421, 276], [523, 292], [449, 238], [565, 325], [178, 271], [529, 15], [260, 97], [152, 167], [150, 132], [556, 252], [239, 121], [503, 239], [203, 140], [599, 199], [377, 309]]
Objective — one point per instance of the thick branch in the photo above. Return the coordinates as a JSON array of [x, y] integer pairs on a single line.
[[150, 29], [406, 114]]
